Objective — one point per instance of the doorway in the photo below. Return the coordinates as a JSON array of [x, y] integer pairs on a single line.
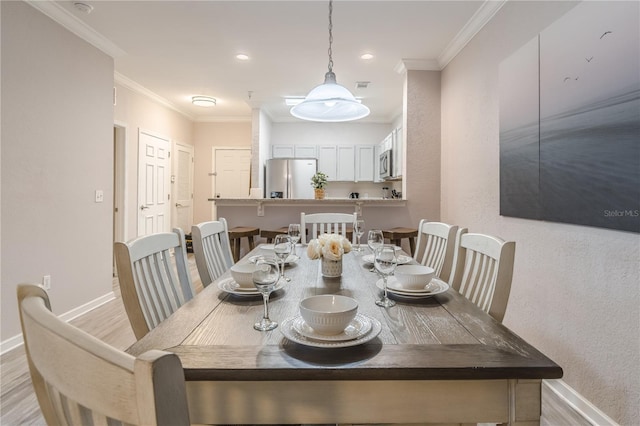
[[119, 185], [154, 169], [231, 177]]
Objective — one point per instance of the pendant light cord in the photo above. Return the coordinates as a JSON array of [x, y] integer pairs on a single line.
[[330, 36]]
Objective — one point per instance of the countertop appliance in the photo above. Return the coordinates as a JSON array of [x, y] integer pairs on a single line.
[[290, 177], [385, 164]]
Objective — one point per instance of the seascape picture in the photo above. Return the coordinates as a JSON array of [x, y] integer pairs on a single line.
[[571, 152]]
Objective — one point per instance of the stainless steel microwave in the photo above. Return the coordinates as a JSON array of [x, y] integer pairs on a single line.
[[385, 164]]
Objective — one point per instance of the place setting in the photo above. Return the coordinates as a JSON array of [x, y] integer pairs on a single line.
[[330, 321], [241, 283], [413, 281]]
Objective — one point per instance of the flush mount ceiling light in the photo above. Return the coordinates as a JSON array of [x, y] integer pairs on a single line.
[[203, 101], [242, 57], [330, 102]]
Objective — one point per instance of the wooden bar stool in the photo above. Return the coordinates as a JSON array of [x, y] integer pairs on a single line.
[[271, 234], [235, 235], [396, 235]]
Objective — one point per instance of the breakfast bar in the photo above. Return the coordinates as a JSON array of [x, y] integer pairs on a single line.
[[433, 359]]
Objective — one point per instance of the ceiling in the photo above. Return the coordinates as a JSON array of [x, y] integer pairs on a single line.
[[173, 50]]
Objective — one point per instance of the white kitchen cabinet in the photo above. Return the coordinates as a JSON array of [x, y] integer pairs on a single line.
[[346, 163], [397, 153], [365, 165], [282, 151], [327, 161], [305, 151]]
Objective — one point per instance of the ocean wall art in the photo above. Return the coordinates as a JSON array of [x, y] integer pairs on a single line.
[[570, 120]]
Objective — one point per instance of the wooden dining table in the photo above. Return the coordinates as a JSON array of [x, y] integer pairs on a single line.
[[435, 360]]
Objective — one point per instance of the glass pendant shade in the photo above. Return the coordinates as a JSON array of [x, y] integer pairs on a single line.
[[330, 102]]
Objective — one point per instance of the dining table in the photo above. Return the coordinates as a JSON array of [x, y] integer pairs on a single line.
[[432, 358]]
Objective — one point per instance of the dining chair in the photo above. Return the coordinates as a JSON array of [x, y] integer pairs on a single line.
[[327, 223], [79, 379], [436, 241], [212, 249], [151, 290], [483, 270]]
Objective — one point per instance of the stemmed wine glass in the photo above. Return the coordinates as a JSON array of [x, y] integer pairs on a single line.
[[265, 277], [375, 239], [294, 234], [385, 263], [358, 228], [282, 247]]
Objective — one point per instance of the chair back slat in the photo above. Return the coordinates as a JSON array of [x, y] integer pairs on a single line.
[[435, 247], [212, 249], [154, 278], [483, 271], [326, 223], [80, 380]]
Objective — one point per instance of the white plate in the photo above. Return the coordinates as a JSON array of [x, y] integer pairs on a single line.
[[230, 286], [436, 286], [292, 258], [286, 327], [357, 328], [402, 259]]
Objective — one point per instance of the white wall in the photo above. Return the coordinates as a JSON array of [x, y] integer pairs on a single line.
[[138, 112], [57, 149], [575, 292], [206, 137]]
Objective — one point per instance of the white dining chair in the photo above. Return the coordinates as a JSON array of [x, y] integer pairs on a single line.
[[483, 271], [327, 223], [212, 249], [80, 380], [154, 278], [435, 246]]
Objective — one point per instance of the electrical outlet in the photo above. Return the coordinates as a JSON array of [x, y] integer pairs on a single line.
[[46, 282]]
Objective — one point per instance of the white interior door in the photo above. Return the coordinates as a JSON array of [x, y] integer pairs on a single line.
[[182, 187], [153, 184], [232, 172]]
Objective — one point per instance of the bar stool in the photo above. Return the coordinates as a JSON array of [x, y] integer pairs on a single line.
[[271, 234], [235, 235], [396, 235]]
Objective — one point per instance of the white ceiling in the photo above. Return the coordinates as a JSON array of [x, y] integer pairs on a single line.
[[173, 50]]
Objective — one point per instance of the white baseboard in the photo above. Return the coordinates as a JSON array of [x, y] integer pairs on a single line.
[[581, 406], [15, 341]]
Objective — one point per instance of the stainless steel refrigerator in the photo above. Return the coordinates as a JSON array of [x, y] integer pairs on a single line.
[[290, 177]]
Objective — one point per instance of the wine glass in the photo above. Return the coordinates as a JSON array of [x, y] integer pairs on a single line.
[[375, 239], [265, 277], [358, 228], [385, 263], [294, 234], [282, 247]]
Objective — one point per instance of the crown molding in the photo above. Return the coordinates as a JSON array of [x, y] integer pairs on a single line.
[[76, 26], [479, 19], [132, 85], [416, 65], [229, 119]]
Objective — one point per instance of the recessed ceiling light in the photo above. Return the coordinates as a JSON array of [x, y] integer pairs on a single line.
[[366, 56], [203, 101], [242, 57]]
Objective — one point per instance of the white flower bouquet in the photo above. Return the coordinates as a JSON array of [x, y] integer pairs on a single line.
[[328, 246]]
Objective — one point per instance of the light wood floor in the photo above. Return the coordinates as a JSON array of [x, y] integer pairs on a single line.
[[109, 322]]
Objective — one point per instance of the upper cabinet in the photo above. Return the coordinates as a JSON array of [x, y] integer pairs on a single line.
[[306, 151], [294, 151], [282, 151], [327, 161], [365, 163], [398, 150], [346, 162]]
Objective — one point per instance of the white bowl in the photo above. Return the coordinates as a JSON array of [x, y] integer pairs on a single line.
[[328, 314], [414, 277], [242, 273]]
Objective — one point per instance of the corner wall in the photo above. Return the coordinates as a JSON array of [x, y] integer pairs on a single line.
[[575, 293], [57, 149]]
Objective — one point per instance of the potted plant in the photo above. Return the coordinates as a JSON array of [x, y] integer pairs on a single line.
[[319, 181]]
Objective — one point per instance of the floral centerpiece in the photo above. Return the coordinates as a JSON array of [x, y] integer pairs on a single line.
[[329, 248], [319, 181]]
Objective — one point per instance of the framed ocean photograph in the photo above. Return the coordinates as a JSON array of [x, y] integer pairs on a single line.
[[587, 166]]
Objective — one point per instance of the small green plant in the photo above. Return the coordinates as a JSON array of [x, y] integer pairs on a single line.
[[319, 180]]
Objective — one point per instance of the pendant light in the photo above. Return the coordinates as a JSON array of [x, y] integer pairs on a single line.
[[330, 102]]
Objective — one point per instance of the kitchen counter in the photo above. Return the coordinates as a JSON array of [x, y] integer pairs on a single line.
[[260, 203]]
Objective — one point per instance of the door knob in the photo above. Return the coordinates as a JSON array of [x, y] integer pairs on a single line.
[[179, 205], [144, 207]]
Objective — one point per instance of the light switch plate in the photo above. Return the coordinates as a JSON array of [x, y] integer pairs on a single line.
[[99, 195]]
